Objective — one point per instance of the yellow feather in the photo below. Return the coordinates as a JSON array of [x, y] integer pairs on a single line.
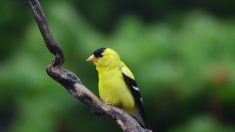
[[112, 88]]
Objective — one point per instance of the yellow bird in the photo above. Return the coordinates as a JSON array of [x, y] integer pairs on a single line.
[[117, 84]]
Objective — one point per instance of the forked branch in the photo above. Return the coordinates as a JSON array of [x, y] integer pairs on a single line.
[[72, 83]]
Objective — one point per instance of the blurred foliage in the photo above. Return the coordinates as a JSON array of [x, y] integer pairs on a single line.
[[184, 63]]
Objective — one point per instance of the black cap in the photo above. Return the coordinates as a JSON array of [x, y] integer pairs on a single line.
[[98, 52]]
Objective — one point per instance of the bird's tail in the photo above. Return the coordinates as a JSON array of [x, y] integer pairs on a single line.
[[140, 118]]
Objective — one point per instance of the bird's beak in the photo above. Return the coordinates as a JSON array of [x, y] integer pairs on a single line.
[[91, 58]]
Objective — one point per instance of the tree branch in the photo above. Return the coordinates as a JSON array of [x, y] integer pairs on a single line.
[[72, 83]]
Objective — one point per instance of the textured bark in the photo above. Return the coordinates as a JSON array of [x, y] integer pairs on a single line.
[[72, 83]]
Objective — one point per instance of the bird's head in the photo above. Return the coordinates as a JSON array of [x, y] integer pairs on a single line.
[[104, 57]]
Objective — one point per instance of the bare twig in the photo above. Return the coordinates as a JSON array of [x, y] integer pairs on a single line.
[[72, 83]]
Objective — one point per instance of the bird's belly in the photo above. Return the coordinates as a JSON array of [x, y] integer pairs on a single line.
[[114, 91]]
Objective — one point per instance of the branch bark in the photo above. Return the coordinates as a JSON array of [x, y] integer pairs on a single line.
[[72, 83]]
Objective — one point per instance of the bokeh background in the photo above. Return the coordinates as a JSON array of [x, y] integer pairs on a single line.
[[181, 52]]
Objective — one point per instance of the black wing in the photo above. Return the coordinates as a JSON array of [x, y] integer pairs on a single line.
[[131, 83]]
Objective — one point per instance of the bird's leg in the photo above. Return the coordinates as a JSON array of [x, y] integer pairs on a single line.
[[99, 112]]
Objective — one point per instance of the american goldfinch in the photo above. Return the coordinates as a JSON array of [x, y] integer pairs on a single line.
[[117, 84]]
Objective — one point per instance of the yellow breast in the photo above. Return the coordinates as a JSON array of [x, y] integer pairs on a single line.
[[113, 90]]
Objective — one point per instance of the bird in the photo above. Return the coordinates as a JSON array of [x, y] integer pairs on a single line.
[[117, 85]]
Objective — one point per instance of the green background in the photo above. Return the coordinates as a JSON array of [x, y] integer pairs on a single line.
[[182, 54]]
